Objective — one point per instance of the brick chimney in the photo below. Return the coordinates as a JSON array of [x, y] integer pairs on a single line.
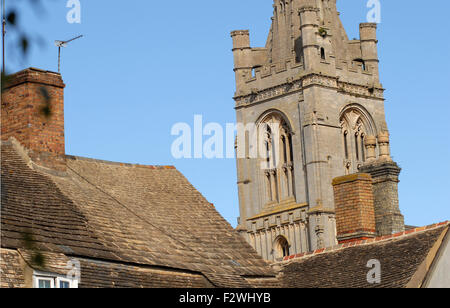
[[32, 111], [354, 205]]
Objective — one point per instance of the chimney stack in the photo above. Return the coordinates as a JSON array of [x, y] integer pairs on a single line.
[[354, 205], [32, 111], [385, 175]]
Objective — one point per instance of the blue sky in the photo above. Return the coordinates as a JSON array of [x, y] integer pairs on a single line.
[[145, 65]]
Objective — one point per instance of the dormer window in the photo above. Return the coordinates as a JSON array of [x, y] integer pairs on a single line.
[[44, 283], [43, 280]]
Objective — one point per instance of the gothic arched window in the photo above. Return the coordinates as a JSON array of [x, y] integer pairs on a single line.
[[278, 161], [355, 127], [282, 247]]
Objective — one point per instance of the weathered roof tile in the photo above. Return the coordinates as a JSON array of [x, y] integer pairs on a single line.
[[149, 216], [345, 266]]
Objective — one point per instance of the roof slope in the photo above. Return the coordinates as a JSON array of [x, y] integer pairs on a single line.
[[11, 272], [138, 215], [345, 266]]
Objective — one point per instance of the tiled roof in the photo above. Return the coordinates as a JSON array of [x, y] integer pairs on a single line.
[[126, 214], [97, 274], [344, 266], [11, 272], [365, 242]]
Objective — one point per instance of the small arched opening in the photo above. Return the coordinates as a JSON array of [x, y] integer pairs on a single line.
[[363, 63], [323, 55], [282, 248]]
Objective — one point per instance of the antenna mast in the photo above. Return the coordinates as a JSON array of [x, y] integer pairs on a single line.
[[60, 44], [3, 34]]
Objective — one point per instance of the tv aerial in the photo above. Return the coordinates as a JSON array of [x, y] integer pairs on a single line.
[[60, 44], [3, 34]]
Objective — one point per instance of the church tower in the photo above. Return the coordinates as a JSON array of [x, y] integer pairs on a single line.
[[316, 101]]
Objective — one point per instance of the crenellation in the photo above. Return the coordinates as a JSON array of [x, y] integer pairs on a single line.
[[281, 73]]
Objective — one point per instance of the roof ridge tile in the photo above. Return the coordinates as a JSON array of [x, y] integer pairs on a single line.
[[366, 242], [121, 164]]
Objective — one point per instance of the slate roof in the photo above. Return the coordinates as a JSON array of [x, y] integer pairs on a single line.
[[123, 221], [345, 266]]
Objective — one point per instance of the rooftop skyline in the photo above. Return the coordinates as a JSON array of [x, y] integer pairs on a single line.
[[137, 72]]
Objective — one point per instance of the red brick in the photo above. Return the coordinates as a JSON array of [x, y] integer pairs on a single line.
[[354, 203], [22, 117]]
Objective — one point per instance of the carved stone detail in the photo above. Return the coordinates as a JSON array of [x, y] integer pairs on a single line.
[[292, 86]]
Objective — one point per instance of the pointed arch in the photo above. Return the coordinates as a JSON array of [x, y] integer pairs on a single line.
[[363, 114], [356, 123], [276, 150], [281, 247]]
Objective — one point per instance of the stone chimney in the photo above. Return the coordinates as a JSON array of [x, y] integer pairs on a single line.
[[385, 175], [354, 205], [32, 111]]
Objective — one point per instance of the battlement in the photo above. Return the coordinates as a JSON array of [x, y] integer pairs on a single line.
[[286, 72], [278, 72], [357, 72], [315, 42]]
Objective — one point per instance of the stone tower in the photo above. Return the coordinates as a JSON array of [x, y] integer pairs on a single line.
[[315, 98]]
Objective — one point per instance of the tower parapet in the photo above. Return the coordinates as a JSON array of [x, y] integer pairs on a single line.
[[246, 59], [306, 36]]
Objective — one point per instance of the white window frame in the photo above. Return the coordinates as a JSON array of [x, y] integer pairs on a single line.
[[54, 279], [36, 280], [73, 283]]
